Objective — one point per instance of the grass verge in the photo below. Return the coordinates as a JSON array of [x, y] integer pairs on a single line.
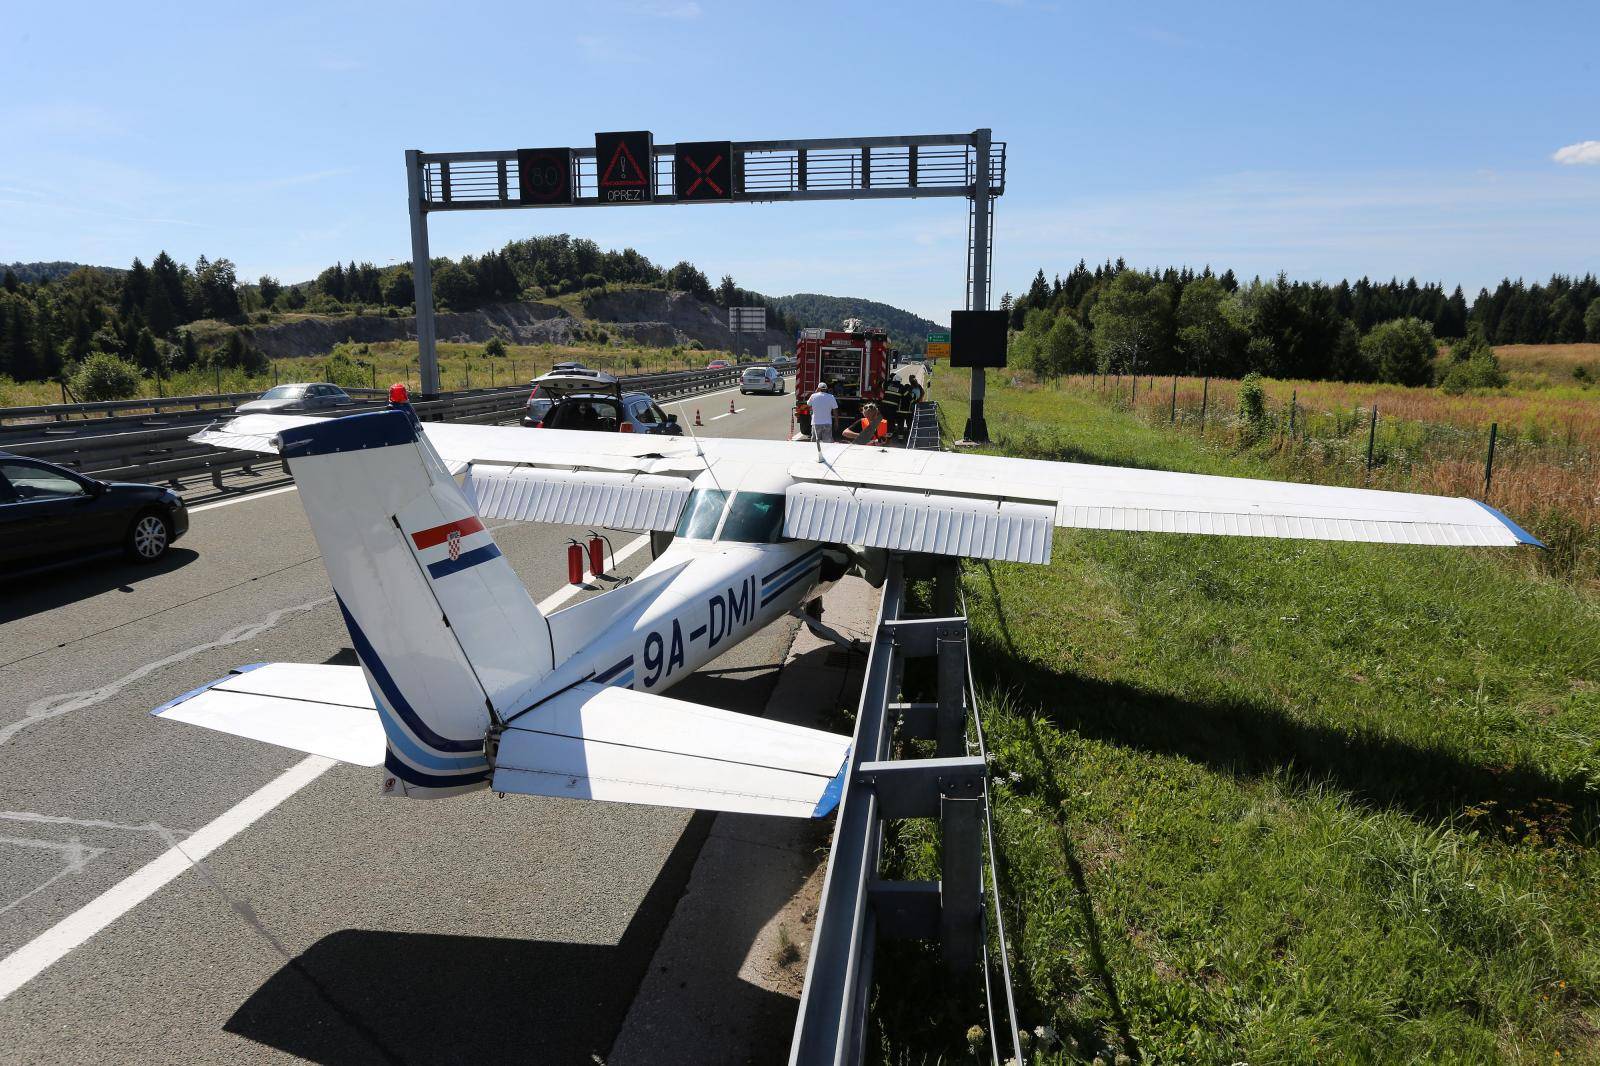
[[1276, 802]]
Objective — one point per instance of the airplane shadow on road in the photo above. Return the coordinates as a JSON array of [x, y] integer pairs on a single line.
[[39, 593]]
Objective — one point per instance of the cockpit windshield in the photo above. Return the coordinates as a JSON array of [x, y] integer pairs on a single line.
[[701, 513], [754, 518]]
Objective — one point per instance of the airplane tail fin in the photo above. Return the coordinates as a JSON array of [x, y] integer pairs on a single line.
[[447, 635]]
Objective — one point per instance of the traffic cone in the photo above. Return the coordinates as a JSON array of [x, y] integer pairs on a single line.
[[697, 417], [731, 410]]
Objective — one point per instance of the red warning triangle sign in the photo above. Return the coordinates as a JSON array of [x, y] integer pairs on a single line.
[[623, 169]]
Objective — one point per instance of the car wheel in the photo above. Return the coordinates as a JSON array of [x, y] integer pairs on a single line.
[[149, 537]]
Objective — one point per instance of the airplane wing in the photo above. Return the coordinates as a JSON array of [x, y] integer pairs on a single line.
[[997, 504], [609, 743], [950, 503]]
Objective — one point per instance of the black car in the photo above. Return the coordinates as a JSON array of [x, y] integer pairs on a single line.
[[50, 516], [594, 401]]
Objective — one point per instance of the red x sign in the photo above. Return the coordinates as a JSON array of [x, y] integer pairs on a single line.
[[703, 170]]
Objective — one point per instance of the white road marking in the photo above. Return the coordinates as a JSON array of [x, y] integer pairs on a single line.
[[242, 499], [50, 946], [566, 592], [724, 414]]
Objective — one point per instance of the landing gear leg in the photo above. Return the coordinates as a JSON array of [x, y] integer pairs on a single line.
[[811, 614]]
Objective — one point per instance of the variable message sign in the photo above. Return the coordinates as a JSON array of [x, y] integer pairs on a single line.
[[544, 175], [978, 338], [703, 170], [625, 167]]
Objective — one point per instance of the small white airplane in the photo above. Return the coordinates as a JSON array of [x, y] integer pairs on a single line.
[[463, 684]]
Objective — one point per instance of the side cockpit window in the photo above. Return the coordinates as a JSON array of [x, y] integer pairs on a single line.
[[754, 518]]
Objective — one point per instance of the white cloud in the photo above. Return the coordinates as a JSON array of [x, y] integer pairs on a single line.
[[1582, 152]]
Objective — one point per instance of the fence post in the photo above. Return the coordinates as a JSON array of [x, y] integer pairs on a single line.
[[1488, 464], [1372, 435], [1294, 398], [1174, 418], [274, 374], [374, 369], [491, 373], [466, 368], [1205, 395], [219, 381]]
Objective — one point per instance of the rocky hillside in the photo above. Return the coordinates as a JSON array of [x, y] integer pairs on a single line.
[[648, 317]]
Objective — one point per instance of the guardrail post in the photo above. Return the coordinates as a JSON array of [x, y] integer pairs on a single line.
[[952, 682], [960, 885]]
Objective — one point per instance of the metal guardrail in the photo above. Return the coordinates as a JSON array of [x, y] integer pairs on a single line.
[[924, 433], [157, 448], [858, 906]]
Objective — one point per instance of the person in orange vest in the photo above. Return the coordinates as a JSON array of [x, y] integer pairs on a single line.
[[873, 428]]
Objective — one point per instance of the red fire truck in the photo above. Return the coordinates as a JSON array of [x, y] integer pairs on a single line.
[[854, 361]]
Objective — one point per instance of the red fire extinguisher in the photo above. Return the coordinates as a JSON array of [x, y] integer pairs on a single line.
[[574, 563], [597, 553]]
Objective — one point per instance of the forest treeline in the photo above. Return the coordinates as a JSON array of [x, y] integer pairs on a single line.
[[50, 321], [1114, 318]]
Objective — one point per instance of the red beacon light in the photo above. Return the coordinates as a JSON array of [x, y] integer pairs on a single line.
[[398, 396]]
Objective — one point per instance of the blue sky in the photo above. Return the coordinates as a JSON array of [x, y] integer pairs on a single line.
[[1325, 140]]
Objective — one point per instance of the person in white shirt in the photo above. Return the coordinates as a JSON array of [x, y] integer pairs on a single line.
[[823, 405]]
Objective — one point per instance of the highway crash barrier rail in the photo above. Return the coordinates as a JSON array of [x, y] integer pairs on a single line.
[[858, 906], [155, 446], [924, 432]]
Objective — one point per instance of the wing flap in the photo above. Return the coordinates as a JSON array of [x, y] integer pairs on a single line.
[[1011, 530], [578, 497], [599, 743], [322, 710]]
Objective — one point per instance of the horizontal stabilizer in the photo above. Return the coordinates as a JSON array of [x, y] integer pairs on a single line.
[[581, 498], [323, 710], [607, 743]]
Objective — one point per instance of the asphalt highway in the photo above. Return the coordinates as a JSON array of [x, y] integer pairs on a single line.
[[171, 894]]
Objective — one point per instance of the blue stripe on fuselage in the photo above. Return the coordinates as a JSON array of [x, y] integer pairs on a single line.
[[417, 777], [611, 672], [791, 564], [794, 579]]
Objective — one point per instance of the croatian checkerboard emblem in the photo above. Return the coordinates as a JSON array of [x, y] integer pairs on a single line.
[[453, 539]]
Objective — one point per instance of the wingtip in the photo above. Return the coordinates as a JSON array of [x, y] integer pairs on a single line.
[[833, 791], [1522, 535]]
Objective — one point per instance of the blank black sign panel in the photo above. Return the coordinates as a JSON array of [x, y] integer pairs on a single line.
[[624, 166], [977, 338], [703, 170], [544, 175]]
